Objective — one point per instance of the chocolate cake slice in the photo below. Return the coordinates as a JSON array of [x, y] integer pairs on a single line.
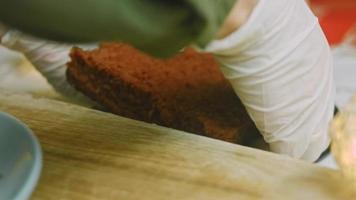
[[187, 92]]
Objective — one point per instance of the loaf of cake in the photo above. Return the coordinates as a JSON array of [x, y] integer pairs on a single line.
[[186, 92]]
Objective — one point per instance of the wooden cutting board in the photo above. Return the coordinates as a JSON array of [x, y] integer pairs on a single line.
[[91, 155]]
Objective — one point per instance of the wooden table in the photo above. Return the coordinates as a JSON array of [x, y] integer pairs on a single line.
[[93, 155]]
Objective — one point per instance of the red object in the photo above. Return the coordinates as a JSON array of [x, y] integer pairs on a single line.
[[336, 17]]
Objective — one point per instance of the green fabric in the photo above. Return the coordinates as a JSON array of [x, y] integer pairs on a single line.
[[159, 27]]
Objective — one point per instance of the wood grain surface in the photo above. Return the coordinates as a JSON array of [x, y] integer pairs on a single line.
[[91, 155]]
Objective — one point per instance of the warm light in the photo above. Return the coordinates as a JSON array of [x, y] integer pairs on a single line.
[[343, 135]]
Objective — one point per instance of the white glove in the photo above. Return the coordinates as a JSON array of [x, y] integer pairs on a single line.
[[49, 58], [280, 65]]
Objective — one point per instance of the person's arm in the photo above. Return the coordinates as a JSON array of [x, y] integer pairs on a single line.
[[161, 28]]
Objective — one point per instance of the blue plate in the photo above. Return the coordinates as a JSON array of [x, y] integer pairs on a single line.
[[20, 159]]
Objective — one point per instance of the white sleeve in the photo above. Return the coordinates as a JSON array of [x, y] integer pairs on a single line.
[[280, 65], [49, 58]]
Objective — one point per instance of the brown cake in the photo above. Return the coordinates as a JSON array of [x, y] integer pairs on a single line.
[[187, 92]]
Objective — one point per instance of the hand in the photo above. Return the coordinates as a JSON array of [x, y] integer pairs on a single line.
[[280, 65], [49, 58]]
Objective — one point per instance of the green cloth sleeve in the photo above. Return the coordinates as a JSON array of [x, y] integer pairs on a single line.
[[158, 27]]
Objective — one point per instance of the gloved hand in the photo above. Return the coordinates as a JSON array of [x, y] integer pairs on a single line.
[[280, 65], [48, 57]]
